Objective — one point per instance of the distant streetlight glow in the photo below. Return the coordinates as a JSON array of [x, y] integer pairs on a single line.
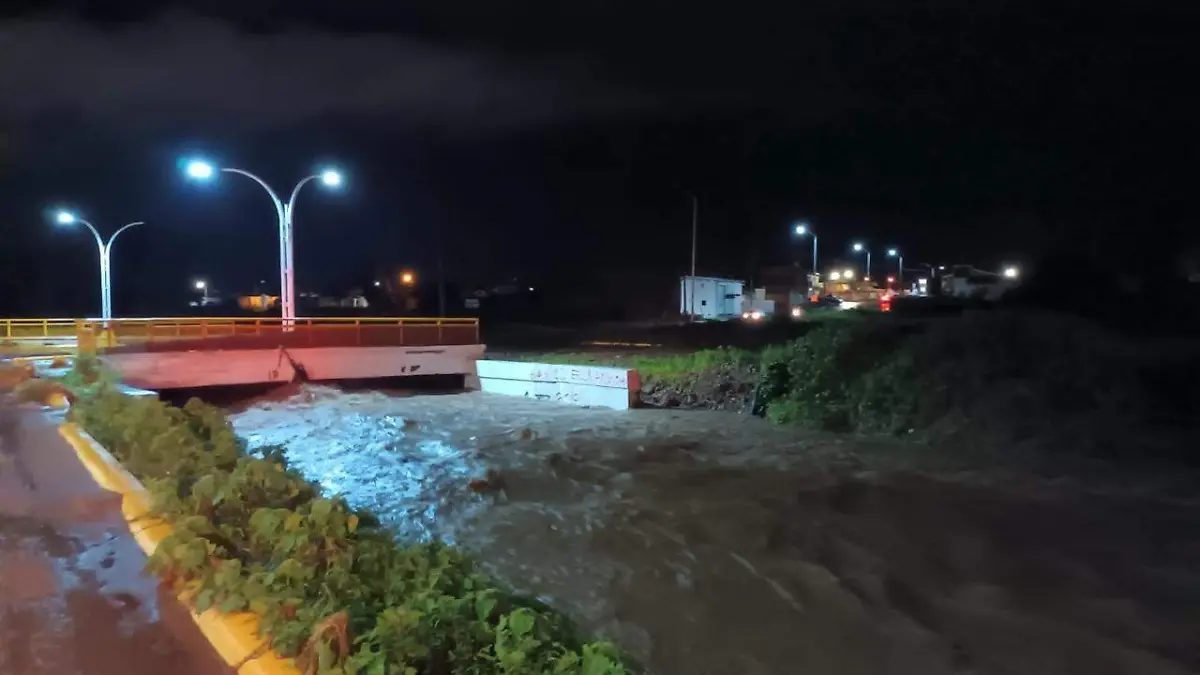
[[848, 275], [331, 178], [201, 170], [407, 278], [835, 276], [1011, 273], [378, 284], [64, 217], [200, 285]]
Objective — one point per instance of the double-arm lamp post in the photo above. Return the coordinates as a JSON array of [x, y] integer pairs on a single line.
[[67, 218], [204, 171]]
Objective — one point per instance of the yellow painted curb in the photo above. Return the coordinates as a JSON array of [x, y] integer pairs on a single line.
[[234, 636]]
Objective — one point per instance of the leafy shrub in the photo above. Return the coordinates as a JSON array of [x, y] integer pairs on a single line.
[[332, 587], [993, 379], [844, 376], [89, 373]]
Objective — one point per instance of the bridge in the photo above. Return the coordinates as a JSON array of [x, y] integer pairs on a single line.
[[186, 352]]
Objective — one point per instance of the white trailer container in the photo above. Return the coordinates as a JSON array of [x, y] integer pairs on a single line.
[[710, 297]]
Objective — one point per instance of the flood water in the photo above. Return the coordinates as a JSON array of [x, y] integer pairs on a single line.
[[709, 543]]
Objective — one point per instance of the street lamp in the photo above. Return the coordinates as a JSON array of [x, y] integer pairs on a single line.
[[860, 248], [803, 229], [202, 286], [895, 253], [66, 218], [201, 170], [1011, 272]]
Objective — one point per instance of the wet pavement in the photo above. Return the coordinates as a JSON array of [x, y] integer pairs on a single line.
[[74, 598], [711, 543]]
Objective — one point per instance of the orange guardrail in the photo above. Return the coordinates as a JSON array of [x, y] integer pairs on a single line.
[[158, 333]]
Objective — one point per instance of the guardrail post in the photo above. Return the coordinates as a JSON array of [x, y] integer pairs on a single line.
[[440, 341], [400, 325], [357, 332]]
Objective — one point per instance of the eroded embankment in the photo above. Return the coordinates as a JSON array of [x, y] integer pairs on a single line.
[[714, 543]]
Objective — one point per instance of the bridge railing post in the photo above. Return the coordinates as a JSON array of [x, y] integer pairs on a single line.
[[85, 337]]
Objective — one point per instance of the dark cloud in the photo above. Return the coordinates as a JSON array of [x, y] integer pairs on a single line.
[[186, 68]]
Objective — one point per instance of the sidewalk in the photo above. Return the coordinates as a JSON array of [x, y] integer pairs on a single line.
[[74, 598]]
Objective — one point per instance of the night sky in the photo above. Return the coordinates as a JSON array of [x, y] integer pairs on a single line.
[[552, 141]]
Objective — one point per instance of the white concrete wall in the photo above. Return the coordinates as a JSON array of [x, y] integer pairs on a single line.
[[185, 370], [577, 385]]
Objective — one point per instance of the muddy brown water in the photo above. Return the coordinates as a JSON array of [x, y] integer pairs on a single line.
[[710, 543]]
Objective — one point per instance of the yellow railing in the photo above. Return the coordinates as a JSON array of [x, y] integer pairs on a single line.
[[32, 329], [352, 330]]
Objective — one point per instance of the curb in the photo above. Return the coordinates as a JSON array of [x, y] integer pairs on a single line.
[[234, 636]]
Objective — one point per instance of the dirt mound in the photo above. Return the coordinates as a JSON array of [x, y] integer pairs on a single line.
[[730, 388]]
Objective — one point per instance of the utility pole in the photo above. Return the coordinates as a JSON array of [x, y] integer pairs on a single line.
[[690, 301]]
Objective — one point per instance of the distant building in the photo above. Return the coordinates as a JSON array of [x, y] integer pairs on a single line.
[[258, 303], [710, 297], [965, 281], [787, 286]]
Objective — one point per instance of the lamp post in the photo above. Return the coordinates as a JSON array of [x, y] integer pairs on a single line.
[[67, 218], [204, 171], [860, 248], [895, 253], [803, 229], [202, 286]]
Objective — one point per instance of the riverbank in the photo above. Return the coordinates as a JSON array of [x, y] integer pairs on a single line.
[[1008, 382]]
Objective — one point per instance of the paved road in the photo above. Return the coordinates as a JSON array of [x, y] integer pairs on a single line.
[[73, 594]]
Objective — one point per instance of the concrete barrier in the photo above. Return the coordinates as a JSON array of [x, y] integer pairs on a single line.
[[616, 388]]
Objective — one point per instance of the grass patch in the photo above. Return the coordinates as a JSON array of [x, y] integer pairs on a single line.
[[662, 367], [334, 589]]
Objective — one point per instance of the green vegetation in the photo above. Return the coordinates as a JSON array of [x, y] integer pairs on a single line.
[[333, 587], [1000, 380], [663, 367]]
